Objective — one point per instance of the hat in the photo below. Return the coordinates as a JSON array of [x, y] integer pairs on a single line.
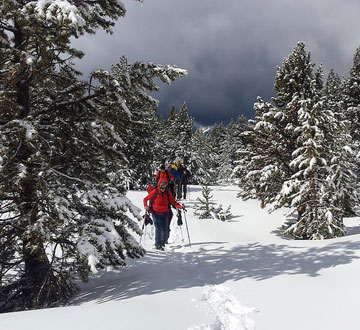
[[162, 167], [163, 183]]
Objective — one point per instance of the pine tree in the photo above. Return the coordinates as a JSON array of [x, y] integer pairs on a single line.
[[232, 144], [350, 105], [176, 135], [265, 164], [351, 97], [222, 214], [167, 137], [342, 154], [184, 131], [215, 139], [62, 146], [205, 208], [200, 157], [298, 152], [141, 128], [308, 190]]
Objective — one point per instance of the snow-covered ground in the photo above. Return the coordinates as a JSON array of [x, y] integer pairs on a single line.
[[235, 274]]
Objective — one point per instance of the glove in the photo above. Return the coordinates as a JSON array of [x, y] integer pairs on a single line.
[[179, 220], [147, 219]]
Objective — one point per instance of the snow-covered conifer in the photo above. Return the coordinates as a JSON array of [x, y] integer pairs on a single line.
[[166, 136], [222, 214], [350, 104], [205, 208], [307, 190], [200, 157], [215, 137], [232, 144], [342, 149], [322, 189], [263, 165], [140, 131], [297, 154], [184, 131], [177, 134], [351, 97], [62, 144]]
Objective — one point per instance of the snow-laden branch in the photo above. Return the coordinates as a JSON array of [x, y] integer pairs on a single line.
[[55, 11], [67, 176]]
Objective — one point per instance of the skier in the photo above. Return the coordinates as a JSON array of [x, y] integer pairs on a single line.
[[172, 181], [178, 184], [174, 172], [160, 198], [163, 173], [185, 179]]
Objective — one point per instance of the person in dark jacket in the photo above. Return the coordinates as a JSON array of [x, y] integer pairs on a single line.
[[160, 199], [185, 179], [178, 183], [177, 180], [172, 182]]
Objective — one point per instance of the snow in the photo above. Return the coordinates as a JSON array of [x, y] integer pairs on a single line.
[[30, 60], [238, 274], [229, 314], [55, 11], [29, 129]]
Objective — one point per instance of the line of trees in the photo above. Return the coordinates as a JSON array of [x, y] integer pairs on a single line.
[[302, 148], [209, 152]]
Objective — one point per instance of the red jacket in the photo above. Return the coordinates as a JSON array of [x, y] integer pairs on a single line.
[[160, 200], [164, 175]]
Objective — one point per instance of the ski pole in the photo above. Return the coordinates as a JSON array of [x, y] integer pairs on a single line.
[[142, 229], [182, 237], [187, 228], [144, 226]]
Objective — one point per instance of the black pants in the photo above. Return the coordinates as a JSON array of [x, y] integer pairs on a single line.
[[178, 189], [170, 216], [184, 186]]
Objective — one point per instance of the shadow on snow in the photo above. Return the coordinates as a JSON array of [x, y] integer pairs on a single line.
[[212, 264]]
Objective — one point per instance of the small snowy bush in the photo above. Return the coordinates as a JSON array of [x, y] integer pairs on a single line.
[[221, 214], [206, 209]]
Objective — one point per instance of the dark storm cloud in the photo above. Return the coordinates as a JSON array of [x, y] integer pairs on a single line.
[[231, 48], [219, 88]]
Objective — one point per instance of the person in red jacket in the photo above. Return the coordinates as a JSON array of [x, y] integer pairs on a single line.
[[163, 173], [160, 200]]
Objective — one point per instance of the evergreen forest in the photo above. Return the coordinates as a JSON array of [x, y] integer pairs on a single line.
[[71, 146]]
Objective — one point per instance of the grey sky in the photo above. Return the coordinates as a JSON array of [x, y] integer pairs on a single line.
[[231, 48]]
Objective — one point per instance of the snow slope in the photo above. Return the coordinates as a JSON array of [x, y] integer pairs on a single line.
[[230, 266]]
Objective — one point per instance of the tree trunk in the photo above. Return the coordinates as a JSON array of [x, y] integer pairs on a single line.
[[23, 80], [38, 272], [37, 266]]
